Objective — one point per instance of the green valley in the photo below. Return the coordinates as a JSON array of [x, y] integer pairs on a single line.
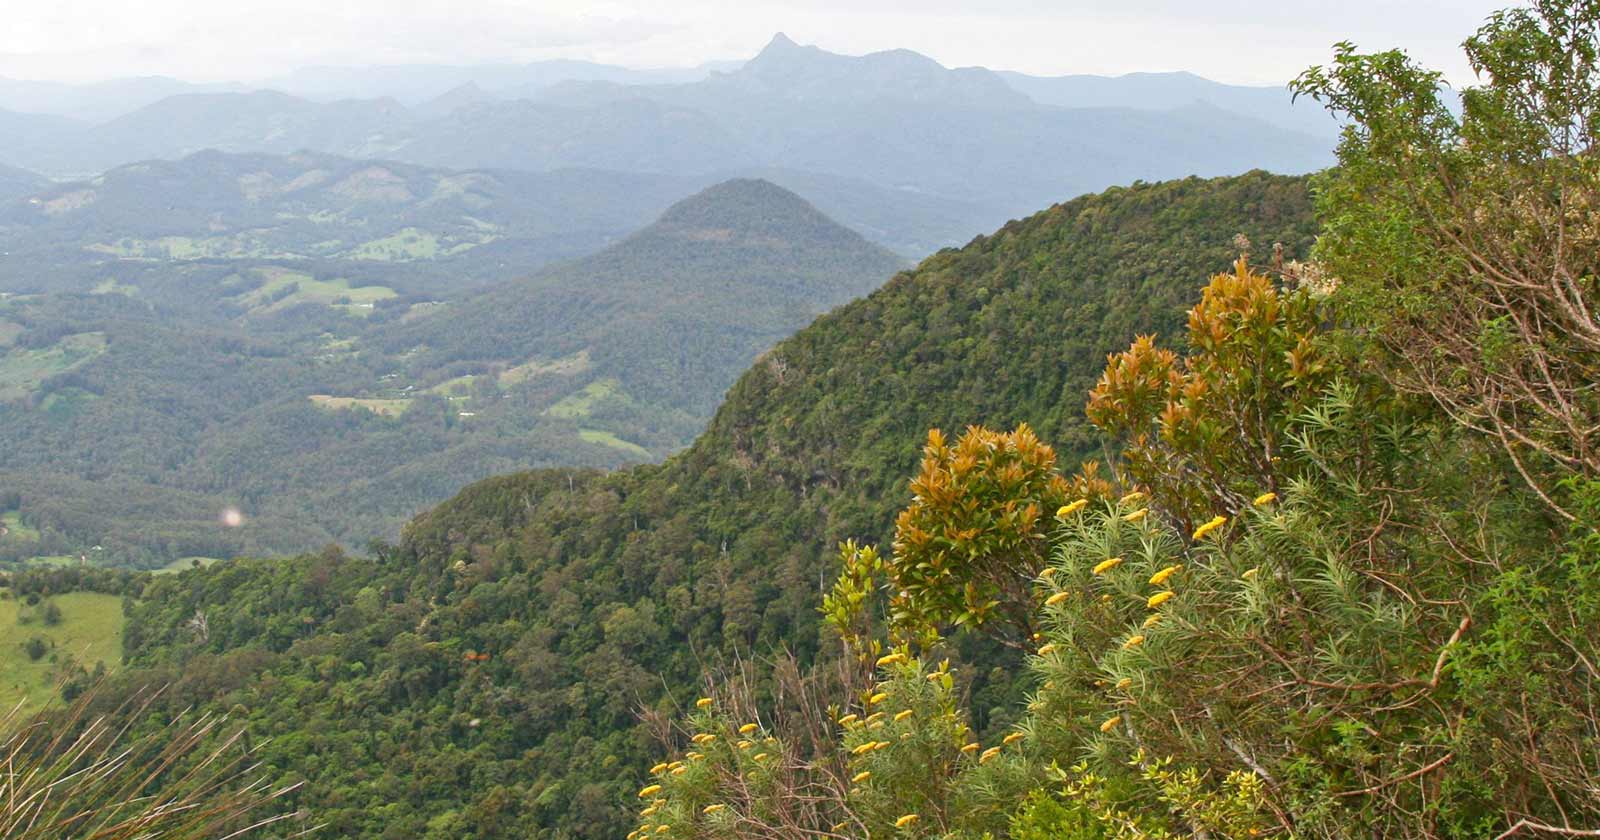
[[330, 408]]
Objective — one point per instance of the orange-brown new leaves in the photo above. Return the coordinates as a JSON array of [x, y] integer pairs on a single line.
[[1205, 429], [974, 534]]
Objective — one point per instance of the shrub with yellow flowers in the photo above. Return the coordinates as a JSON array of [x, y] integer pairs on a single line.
[[1192, 806], [895, 758]]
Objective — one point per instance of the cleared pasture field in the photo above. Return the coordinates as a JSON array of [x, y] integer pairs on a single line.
[[90, 631]]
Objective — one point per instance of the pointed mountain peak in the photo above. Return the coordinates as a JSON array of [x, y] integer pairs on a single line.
[[783, 52]]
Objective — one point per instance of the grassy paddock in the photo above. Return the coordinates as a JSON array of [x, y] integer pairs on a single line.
[[22, 370], [90, 631], [387, 408], [582, 403], [611, 440], [310, 290]]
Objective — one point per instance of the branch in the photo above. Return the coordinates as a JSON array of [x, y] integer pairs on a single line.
[[1548, 829], [1412, 775]]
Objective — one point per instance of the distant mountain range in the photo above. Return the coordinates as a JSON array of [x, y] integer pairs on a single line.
[[411, 84], [97, 101], [418, 83], [1002, 143], [427, 87], [1168, 91]]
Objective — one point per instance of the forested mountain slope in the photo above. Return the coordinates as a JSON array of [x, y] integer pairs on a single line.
[[482, 678]]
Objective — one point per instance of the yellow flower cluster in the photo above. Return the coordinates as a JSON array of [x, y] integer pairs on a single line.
[[863, 749], [1069, 509], [1161, 577], [1107, 565], [1212, 525]]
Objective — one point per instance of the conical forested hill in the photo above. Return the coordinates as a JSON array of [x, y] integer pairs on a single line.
[[674, 312], [483, 678]]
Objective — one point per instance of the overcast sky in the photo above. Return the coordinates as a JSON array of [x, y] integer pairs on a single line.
[[1241, 41]]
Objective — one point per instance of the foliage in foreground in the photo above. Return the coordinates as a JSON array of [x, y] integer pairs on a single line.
[[1394, 644], [1470, 244], [1348, 587], [76, 773]]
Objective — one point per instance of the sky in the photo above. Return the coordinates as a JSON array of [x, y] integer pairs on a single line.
[[1236, 41]]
